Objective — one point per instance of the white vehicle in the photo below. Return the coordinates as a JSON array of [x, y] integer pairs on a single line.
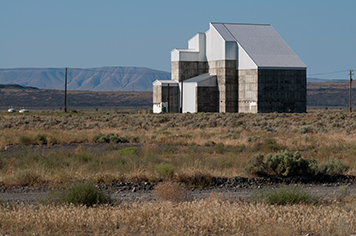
[[11, 109], [23, 110]]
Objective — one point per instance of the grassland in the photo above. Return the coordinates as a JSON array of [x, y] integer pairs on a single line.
[[153, 147], [184, 144], [213, 216]]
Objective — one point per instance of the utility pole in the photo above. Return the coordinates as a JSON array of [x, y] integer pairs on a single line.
[[350, 74], [168, 98], [65, 91], [181, 94]]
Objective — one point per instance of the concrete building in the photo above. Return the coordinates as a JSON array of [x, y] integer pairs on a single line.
[[234, 68]]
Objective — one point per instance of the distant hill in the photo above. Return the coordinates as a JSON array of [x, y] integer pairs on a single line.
[[317, 80], [335, 93], [29, 97], [92, 79]]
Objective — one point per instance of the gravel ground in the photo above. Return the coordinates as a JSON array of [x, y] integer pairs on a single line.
[[130, 192]]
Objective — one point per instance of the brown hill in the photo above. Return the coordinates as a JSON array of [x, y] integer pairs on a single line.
[[334, 93], [30, 97]]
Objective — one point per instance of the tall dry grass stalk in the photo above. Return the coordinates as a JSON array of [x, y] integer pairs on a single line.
[[213, 216]]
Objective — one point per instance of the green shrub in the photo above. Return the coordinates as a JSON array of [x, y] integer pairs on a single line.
[[281, 164], [83, 155], [127, 151], [135, 139], [124, 139], [41, 139], [332, 165], [53, 140], [252, 138], [270, 144], [99, 138], [286, 164], [165, 170], [306, 128], [113, 138], [256, 165], [25, 140], [84, 194], [284, 196], [108, 138], [241, 147]]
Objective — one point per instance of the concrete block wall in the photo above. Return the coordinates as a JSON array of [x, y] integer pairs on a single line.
[[160, 94], [281, 90], [225, 70], [248, 90], [189, 69], [157, 94], [207, 99]]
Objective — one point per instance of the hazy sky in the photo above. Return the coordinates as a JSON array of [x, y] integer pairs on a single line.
[[85, 33]]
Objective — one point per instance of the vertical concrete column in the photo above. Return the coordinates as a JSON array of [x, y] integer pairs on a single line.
[[175, 71], [225, 70], [248, 90]]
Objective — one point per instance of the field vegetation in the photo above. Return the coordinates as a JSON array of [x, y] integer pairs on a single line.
[[152, 147], [183, 150], [280, 212]]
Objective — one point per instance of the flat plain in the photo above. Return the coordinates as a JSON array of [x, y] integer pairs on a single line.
[[54, 150]]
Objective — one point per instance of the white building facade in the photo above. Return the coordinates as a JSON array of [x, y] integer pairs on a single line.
[[235, 68]]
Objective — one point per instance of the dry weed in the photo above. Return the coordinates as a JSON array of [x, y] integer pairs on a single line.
[[170, 191], [149, 148], [206, 217], [332, 134]]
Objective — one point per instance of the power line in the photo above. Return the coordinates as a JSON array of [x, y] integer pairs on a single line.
[[119, 72], [327, 73]]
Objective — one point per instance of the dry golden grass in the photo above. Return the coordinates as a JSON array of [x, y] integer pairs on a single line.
[[171, 191], [186, 136], [315, 134], [213, 216]]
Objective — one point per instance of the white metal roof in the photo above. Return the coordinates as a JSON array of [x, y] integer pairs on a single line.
[[262, 43], [165, 82], [203, 79]]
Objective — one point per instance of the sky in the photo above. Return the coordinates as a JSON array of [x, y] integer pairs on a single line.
[[142, 33]]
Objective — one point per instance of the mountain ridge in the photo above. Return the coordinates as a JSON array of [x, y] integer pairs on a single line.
[[107, 78], [90, 79]]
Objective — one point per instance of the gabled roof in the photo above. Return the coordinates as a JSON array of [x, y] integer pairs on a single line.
[[262, 43], [165, 82]]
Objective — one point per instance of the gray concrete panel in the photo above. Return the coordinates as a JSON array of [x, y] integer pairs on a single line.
[[281, 90], [207, 99]]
